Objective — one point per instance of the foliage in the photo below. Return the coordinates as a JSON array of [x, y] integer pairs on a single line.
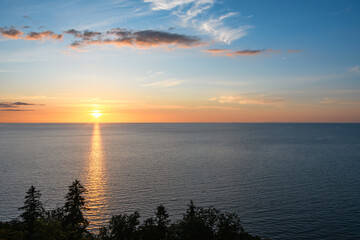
[[73, 217], [68, 223], [33, 209]]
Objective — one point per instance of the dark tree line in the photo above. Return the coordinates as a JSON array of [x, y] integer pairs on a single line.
[[69, 223]]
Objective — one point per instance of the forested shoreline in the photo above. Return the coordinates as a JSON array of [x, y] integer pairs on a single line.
[[69, 222]]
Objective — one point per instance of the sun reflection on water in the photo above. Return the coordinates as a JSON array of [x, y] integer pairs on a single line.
[[96, 182]]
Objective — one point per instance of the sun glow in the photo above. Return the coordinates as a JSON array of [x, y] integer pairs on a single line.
[[96, 114]]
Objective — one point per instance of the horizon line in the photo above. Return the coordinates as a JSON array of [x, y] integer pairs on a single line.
[[165, 122]]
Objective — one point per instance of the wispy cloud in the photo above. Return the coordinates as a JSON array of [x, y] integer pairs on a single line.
[[217, 51], [338, 101], [27, 17], [216, 28], [248, 101], [191, 13], [355, 69], [247, 52], [164, 83], [15, 110], [16, 106], [151, 75], [167, 4]]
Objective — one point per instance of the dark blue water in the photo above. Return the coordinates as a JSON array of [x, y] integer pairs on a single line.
[[286, 181]]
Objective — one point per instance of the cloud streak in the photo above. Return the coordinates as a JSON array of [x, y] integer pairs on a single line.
[[164, 83], [120, 37], [16, 110], [216, 28], [338, 101], [247, 101], [16, 106], [247, 52]]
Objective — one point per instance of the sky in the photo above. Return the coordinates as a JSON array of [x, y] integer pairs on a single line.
[[180, 61]]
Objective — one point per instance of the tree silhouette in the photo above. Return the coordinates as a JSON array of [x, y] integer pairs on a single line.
[[33, 209], [69, 223], [124, 226], [73, 210], [162, 221]]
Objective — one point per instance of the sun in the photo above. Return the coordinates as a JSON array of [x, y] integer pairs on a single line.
[[96, 113]]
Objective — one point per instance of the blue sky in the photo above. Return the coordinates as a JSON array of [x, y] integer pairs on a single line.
[[161, 60]]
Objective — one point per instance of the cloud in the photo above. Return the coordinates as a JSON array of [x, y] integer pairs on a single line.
[[85, 35], [230, 53], [197, 8], [248, 52], [355, 69], [13, 33], [217, 51], [120, 37], [15, 110], [293, 51], [247, 101], [151, 74], [164, 84], [337, 101], [22, 104], [167, 4], [191, 13], [222, 33], [27, 17], [6, 105], [16, 106], [43, 35]]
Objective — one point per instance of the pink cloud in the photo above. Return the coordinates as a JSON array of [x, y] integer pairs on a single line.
[[11, 33], [43, 35]]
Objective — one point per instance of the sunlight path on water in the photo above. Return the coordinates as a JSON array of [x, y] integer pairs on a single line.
[[96, 182]]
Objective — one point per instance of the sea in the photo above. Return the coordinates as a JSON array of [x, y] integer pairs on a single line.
[[284, 180]]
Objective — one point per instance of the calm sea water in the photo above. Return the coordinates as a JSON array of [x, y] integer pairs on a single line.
[[286, 181]]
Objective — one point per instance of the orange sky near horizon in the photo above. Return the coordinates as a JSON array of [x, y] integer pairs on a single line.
[[179, 113]]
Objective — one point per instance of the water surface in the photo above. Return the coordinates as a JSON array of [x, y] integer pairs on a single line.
[[286, 181]]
